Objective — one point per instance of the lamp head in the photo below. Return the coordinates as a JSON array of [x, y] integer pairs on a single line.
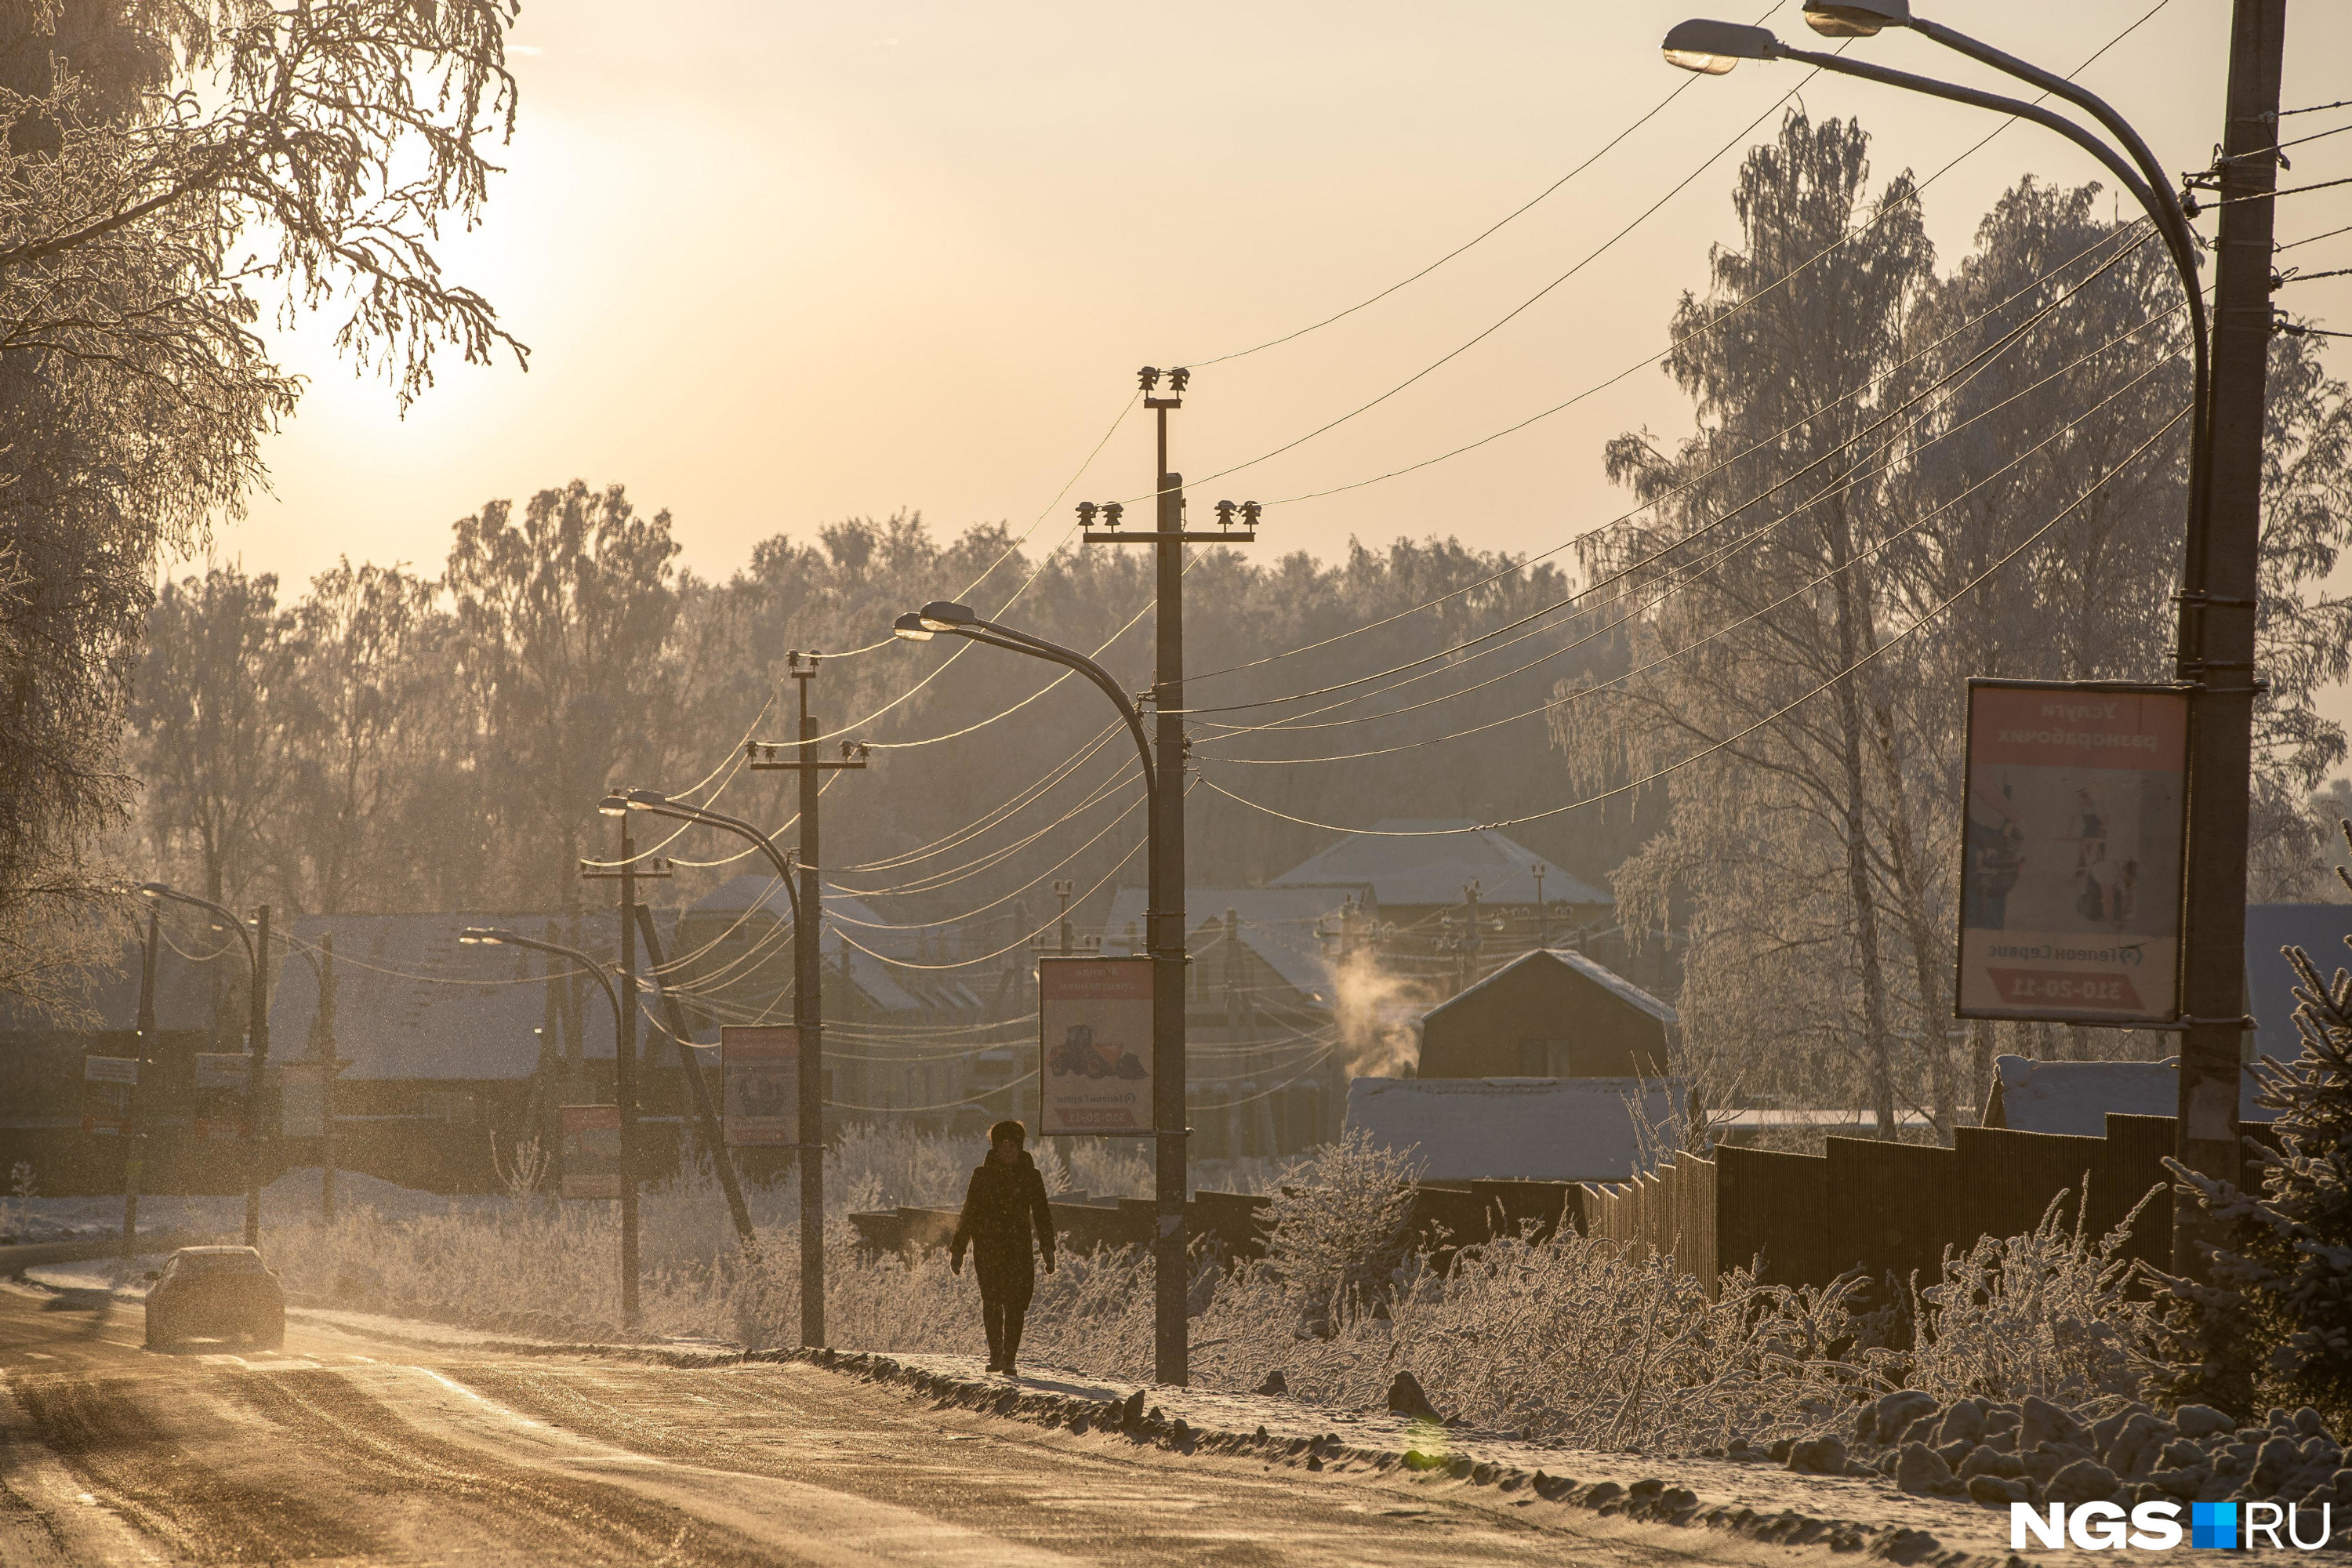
[[1712, 48], [484, 936], [614, 806], [646, 799], [155, 890], [910, 626], [1855, 18], [946, 615]]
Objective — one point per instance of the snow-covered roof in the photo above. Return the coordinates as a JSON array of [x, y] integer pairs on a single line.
[[1278, 924], [2075, 1098], [1506, 1129], [412, 1002], [1433, 870], [2319, 929], [1576, 963]]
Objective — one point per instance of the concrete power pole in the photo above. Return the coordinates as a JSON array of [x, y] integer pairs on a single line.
[[808, 988], [2218, 605], [1165, 928]]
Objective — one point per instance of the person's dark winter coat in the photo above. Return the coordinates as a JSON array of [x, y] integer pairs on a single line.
[[1003, 1206]]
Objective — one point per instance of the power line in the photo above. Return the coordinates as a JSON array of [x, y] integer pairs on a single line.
[[1901, 637], [1886, 209], [1524, 305], [1690, 570], [1685, 580], [1484, 235], [1444, 657]]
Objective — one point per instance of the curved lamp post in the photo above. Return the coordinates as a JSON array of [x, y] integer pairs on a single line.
[[625, 1080], [1714, 47], [942, 617], [2221, 708], [258, 1032], [809, 1146]]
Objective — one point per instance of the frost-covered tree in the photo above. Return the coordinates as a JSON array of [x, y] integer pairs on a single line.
[[2272, 1323]]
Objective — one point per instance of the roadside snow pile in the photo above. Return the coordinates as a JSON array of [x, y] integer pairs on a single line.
[[2034, 1452]]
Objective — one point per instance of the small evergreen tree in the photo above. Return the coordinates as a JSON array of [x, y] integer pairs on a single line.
[[2272, 1323]]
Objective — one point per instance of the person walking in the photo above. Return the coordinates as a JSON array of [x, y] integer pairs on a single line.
[[1005, 1199]]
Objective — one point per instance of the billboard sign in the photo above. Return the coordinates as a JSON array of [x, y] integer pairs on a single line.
[[1094, 1020], [759, 1072], [108, 1084], [223, 1080], [302, 1099], [2070, 861], [591, 1151]]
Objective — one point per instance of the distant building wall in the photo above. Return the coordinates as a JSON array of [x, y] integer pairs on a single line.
[[1544, 1017]]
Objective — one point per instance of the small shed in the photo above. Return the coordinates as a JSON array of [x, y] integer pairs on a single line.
[[1514, 1129], [1548, 1013], [2075, 1098]]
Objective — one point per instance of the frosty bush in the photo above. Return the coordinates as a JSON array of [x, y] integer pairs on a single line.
[[1570, 1337], [2044, 1314]]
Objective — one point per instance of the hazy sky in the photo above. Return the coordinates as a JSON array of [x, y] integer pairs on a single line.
[[780, 264]]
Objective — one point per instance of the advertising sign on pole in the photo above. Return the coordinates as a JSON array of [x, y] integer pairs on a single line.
[[591, 1151], [222, 1080], [1094, 1020], [302, 1099], [759, 1072], [106, 1085], [2069, 874]]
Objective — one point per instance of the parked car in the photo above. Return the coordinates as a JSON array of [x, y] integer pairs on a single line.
[[214, 1292]]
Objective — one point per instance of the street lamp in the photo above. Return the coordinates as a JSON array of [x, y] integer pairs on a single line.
[[2222, 536], [810, 1144], [1166, 946], [258, 1032], [1713, 49], [624, 1076]]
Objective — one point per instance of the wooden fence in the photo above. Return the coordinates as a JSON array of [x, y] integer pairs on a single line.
[[1804, 1219], [1798, 1219]]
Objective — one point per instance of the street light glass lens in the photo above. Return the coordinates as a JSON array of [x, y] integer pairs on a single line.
[[612, 805], [150, 890], [910, 625], [1704, 64]]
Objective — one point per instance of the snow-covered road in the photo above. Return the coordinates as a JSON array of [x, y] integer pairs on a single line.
[[359, 1447]]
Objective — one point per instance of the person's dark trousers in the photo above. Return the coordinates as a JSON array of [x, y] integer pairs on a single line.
[[1008, 1279], [1003, 1324]]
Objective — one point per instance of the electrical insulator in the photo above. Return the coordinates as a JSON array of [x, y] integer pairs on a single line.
[[1180, 375], [1149, 376], [1111, 512], [1087, 510], [1224, 515], [1250, 511]]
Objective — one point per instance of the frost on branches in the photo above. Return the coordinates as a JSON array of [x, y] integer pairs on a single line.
[[2272, 1320]]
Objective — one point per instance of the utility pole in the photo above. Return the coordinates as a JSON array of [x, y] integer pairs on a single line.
[[624, 1076], [808, 985], [258, 1042], [134, 1140], [330, 1063], [1543, 910], [2219, 596], [1171, 1264]]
